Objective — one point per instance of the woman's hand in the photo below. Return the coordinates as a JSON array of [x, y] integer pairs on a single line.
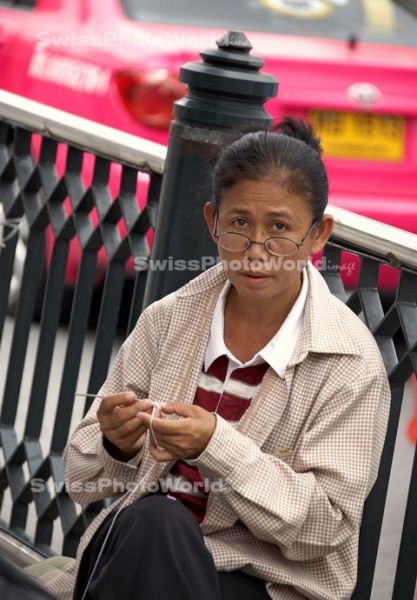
[[185, 437], [120, 425]]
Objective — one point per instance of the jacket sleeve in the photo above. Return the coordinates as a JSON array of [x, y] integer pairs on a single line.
[[91, 472], [312, 507]]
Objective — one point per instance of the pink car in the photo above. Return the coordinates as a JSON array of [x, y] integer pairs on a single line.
[[350, 66]]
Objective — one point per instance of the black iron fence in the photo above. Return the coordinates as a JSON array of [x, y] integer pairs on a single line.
[[79, 190], [63, 213]]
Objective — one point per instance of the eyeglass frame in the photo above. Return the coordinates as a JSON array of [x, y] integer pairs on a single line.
[[298, 244]]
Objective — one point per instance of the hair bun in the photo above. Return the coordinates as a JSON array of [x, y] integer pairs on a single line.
[[300, 130]]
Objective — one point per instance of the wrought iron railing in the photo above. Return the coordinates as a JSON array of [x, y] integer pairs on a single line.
[[36, 143], [56, 173]]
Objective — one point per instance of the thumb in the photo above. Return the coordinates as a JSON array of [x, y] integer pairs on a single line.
[[178, 408], [144, 418]]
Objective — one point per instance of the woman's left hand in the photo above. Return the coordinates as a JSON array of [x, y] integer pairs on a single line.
[[185, 437]]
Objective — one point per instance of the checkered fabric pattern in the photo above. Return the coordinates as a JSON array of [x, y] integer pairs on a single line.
[[297, 468], [229, 397]]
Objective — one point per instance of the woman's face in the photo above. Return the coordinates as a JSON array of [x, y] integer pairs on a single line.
[[260, 210]]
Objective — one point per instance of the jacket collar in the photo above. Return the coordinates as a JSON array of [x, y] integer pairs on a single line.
[[278, 351], [323, 317]]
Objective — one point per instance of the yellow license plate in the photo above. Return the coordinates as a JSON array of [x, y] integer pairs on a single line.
[[363, 136]]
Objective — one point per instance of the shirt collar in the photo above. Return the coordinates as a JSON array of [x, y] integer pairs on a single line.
[[325, 322], [277, 352]]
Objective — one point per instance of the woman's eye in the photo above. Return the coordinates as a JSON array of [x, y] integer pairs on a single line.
[[280, 226], [239, 222]]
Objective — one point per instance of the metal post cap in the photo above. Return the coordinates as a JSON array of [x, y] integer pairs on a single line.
[[236, 40], [226, 89]]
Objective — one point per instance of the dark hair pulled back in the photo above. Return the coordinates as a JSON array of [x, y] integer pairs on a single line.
[[289, 153]]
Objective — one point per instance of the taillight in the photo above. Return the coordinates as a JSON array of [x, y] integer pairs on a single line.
[[149, 95]]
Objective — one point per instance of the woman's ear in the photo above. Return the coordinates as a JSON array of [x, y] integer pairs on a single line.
[[209, 212], [322, 233]]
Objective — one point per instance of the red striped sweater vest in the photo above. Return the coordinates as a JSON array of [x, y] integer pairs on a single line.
[[230, 401]]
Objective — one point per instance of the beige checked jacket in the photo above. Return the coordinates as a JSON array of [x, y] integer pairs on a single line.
[[297, 467]]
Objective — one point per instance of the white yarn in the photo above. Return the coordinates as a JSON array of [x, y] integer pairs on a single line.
[[155, 405]]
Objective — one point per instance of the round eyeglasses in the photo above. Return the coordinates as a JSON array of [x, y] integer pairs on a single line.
[[238, 242]]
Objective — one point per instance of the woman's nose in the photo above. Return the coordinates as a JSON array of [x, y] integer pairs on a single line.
[[257, 251]]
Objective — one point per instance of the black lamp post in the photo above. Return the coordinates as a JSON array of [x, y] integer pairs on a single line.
[[226, 91]]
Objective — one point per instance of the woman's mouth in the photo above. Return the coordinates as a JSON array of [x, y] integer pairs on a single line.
[[256, 278]]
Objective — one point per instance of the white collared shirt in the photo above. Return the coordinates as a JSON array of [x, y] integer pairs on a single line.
[[277, 352]]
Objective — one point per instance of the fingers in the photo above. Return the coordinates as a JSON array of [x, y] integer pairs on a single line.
[[173, 426], [131, 440], [136, 445], [160, 454], [122, 414], [132, 425], [181, 409], [159, 424], [186, 436], [110, 402], [144, 405], [127, 437], [125, 420], [120, 424]]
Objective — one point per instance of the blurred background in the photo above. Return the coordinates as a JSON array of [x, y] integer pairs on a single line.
[[349, 66]]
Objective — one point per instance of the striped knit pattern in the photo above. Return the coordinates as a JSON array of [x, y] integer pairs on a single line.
[[230, 401]]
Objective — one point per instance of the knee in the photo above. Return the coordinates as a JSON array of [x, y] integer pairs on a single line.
[[156, 511]]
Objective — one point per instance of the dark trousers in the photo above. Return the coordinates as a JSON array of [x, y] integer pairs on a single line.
[[156, 551]]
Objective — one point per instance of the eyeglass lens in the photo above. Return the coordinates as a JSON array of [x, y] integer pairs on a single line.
[[235, 242]]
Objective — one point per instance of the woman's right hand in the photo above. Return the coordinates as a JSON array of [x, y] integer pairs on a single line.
[[120, 425]]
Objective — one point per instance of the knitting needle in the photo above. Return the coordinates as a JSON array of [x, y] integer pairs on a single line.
[[97, 396], [155, 405]]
